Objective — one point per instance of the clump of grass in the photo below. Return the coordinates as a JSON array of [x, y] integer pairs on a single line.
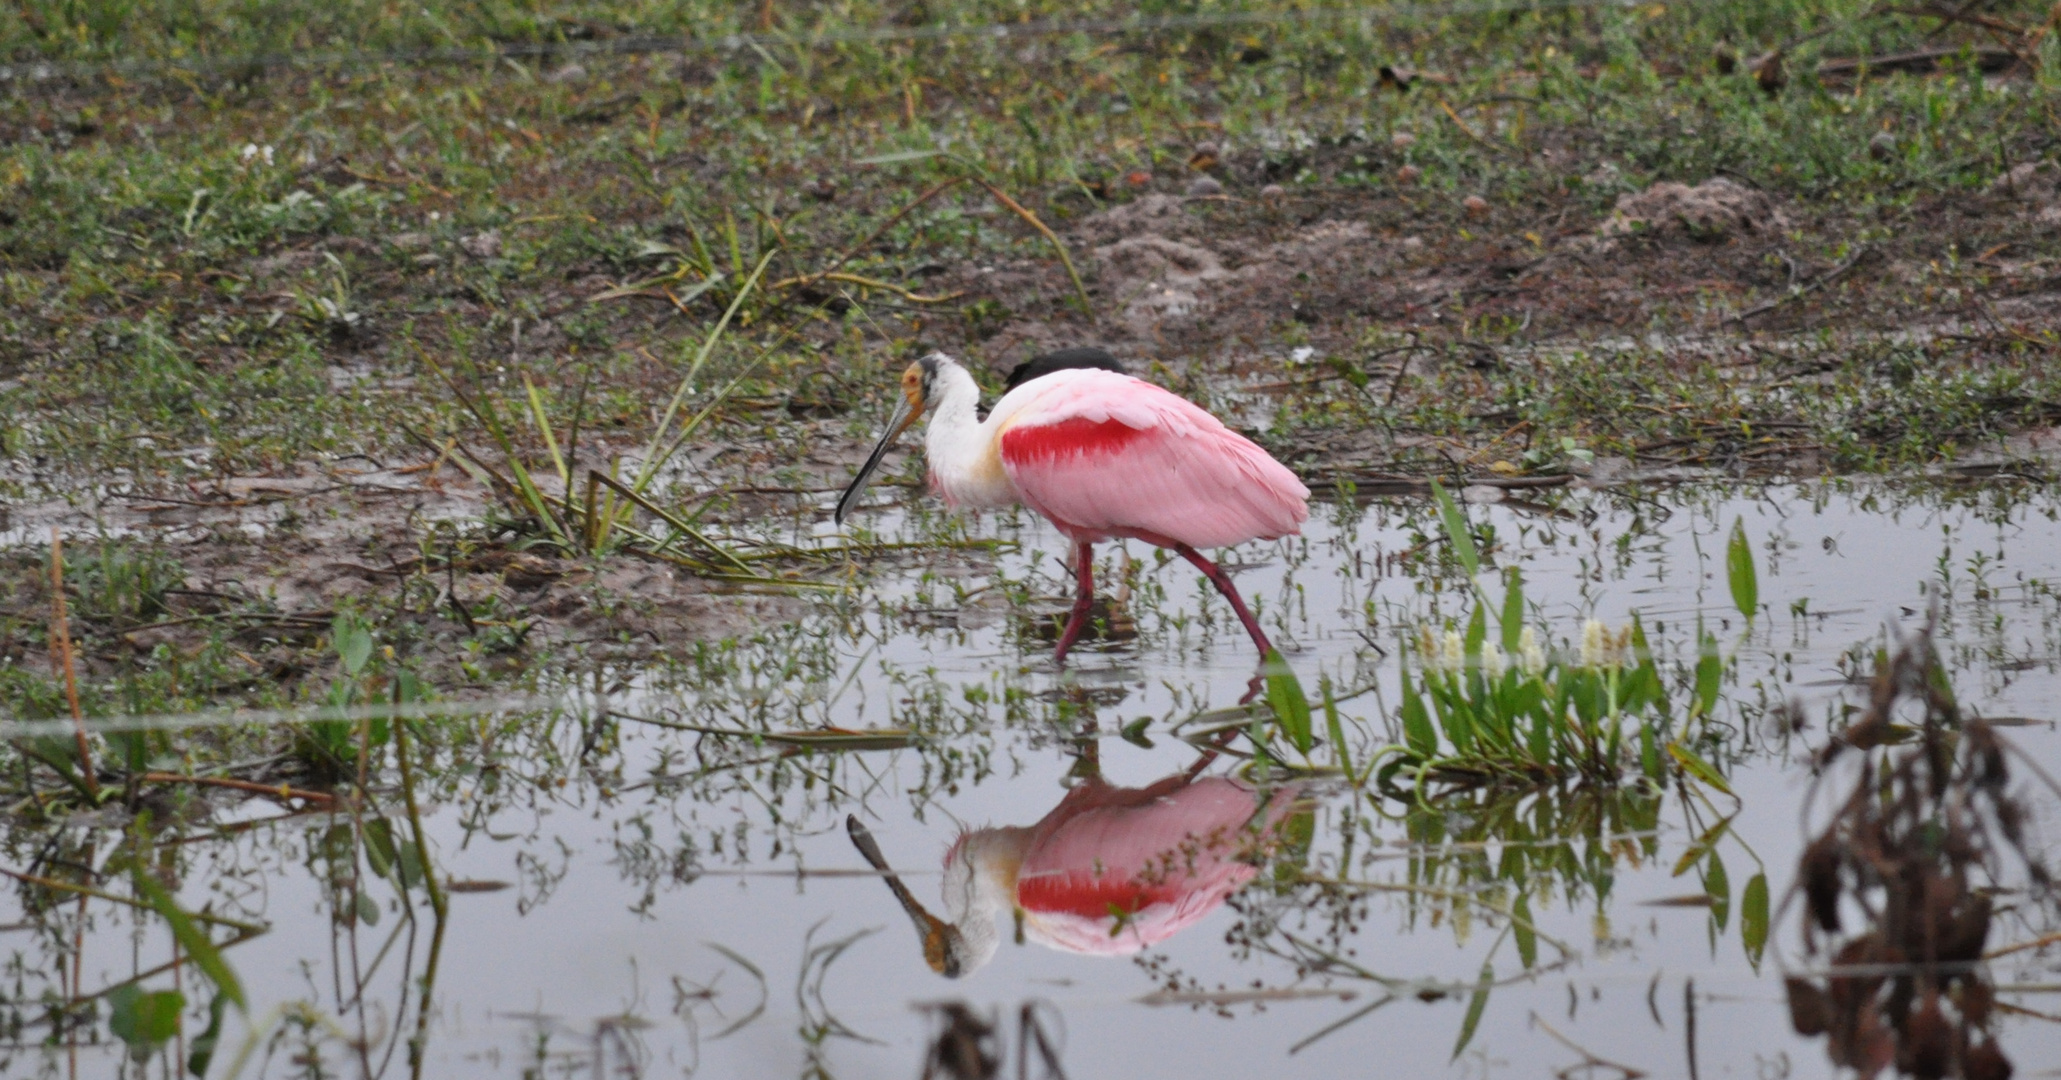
[[1481, 710]]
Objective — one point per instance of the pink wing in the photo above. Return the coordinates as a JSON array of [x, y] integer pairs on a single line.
[[1104, 454], [1164, 856]]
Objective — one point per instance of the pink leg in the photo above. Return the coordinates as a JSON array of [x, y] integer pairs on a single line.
[[1084, 573], [1216, 577]]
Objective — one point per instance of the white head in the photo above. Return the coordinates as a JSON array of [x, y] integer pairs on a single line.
[[935, 384], [979, 884]]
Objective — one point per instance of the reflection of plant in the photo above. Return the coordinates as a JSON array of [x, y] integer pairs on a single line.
[[1917, 846]]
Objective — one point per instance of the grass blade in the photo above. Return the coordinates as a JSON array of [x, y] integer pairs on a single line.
[[1291, 705], [653, 459], [1527, 935], [1475, 1005], [1334, 728], [1513, 611], [543, 423], [1456, 529], [1719, 887], [197, 944]]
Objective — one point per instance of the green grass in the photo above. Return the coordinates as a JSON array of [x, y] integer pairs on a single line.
[[239, 252]]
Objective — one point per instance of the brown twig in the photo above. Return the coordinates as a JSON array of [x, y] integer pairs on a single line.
[[1812, 286], [277, 791], [61, 642], [1017, 208], [846, 256]]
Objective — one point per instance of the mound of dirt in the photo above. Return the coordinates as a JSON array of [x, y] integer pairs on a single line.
[[2036, 184], [1158, 260], [1711, 210]]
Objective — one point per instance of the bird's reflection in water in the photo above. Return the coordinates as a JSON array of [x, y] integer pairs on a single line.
[[1110, 871]]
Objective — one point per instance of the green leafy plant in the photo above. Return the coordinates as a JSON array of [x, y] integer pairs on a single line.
[[1480, 709]]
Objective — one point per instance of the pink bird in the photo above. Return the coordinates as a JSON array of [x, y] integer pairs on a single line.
[[1108, 872], [1101, 455]]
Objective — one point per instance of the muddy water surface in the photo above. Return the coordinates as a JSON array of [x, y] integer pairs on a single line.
[[631, 898]]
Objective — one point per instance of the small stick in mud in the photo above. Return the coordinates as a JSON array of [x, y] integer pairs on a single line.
[[61, 646]]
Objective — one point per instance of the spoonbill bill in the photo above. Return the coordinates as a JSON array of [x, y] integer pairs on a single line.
[[1101, 455], [1108, 872]]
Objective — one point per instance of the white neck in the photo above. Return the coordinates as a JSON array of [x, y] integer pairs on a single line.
[[979, 884], [965, 465]]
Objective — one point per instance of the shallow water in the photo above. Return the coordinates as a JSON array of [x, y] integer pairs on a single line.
[[644, 882]]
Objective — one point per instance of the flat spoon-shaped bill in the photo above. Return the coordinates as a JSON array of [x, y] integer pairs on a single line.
[[938, 945], [905, 414]]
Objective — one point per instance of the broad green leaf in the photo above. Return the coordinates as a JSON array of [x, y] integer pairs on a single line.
[[410, 862], [1475, 1005], [379, 846], [1710, 670], [367, 909], [1719, 887], [1477, 633], [353, 643], [203, 1053], [1699, 768], [1334, 728], [1649, 755], [1739, 572], [1513, 612], [145, 1021], [1291, 705], [1456, 529], [190, 937], [1526, 934], [1753, 918]]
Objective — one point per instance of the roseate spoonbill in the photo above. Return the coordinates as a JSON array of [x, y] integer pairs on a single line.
[[1102, 455], [1108, 872]]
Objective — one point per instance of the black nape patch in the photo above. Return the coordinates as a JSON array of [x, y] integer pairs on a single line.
[[1059, 360]]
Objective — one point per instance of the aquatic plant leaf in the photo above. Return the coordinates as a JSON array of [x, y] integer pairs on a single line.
[[1699, 768], [1417, 730], [189, 936], [1710, 670], [353, 643], [1719, 887], [1456, 530], [1527, 935], [410, 863], [203, 1053], [1753, 918], [379, 846], [1513, 611], [1739, 572], [1334, 728], [145, 1021], [1702, 846], [1291, 705], [1475, 1004], [367, 909]]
